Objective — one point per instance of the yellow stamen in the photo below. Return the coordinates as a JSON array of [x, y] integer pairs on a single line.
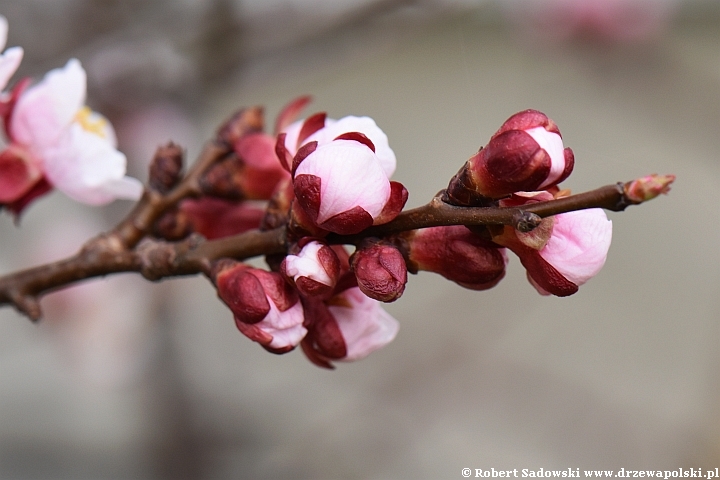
[[92, 122]]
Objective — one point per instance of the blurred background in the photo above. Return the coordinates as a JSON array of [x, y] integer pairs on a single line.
[[128, 379]]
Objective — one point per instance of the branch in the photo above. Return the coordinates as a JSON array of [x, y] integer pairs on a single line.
[[115, 252]]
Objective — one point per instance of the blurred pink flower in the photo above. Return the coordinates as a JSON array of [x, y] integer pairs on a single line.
[[56, 139], [622, 21], [10, 58]]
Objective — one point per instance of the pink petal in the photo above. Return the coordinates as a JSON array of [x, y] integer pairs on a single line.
[[9, 63], [579, 244], [365, 326], [88, 169], [44, 111], [351, 176], [553, 145]]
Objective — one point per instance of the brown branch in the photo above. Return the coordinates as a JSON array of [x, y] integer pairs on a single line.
[[154, 259]]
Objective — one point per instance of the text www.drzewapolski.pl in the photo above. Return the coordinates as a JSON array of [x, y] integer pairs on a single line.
[[577, 473]]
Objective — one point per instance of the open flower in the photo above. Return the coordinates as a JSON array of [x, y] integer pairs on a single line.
[[525, 154], [58, 141], [347, 327], [565, 251]]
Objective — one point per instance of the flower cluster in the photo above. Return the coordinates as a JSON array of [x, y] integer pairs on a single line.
[[54, 140], [322, 183], [522, 164]]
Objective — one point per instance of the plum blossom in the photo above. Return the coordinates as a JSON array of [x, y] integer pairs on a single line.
[[565, 251], [267, 310], [346, 328], [58, 141], [10, 59], [380, 270], [525, 154], [340, 178], [314, 270]]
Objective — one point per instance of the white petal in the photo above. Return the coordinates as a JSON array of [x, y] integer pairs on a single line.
[[367, 127], [350, 176], [365, 326], [579, 244], [3, 31], [88, 169], [306, 264], [552, 143], [285, 327], [9, 63], [45, 110]]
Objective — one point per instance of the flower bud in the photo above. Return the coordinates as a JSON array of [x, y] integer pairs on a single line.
[[242, 122], [252, 173], [525, 154], [314, 271], [648, 187], [266, 308], [457, 254], [380, 271], [342, 186], [345, 328], [166, 168], [569, 250]]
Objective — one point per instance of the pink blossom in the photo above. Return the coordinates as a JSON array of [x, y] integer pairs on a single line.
[[622, 21], [267, 310], [324, 130], [525, 154], [10, 58], [314, 270], [347, 327], [65, 144], [342, 186], [565, 251], [364, 324]]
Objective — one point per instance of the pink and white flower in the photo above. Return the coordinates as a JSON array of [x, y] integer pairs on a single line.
[[525, 154], [314, 270], [10, 58], [57, 140], [565, 251], [267, 310], [346, 328]]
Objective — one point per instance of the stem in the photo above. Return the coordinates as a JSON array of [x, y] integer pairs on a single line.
[[121, 250]]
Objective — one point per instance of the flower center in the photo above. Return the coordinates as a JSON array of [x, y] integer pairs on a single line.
[[92, 122]]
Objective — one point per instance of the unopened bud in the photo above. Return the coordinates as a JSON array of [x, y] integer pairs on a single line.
[[458, 255], [525, 154], [649, 187], [166, 168], [314, 270], [380, 271]]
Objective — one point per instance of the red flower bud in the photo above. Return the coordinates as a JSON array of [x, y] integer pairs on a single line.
[[525, 154], [166, 167], [267, 310], [458, 255], [380, 271]]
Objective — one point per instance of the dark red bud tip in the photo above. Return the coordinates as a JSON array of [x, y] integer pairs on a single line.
[[290, 112], [242, 292], [242, 122], [525, 120], [358, 137], [166, 168], [380, 271]]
